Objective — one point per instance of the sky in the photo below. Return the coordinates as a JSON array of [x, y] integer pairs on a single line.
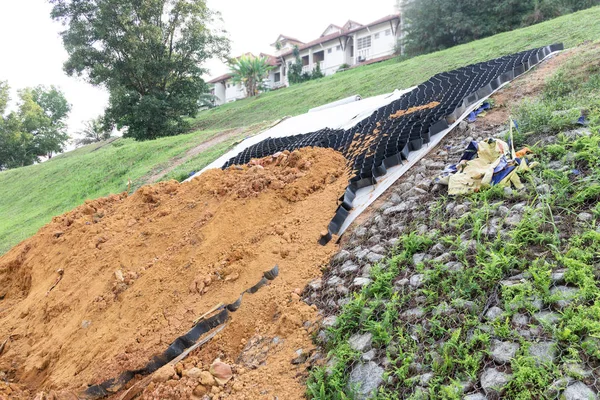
[[32, 52]]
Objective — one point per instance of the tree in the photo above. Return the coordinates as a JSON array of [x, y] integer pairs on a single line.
[[36, 129], [250, 71], [147, 53], [95, 130], [432, 25], [295, 74]]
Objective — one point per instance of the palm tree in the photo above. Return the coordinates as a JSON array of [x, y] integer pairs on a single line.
[[94, 131], [250, 71]]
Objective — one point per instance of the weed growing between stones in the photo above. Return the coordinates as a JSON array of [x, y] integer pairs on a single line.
[[490, 295]]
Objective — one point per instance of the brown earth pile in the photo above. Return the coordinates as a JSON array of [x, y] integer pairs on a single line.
[[133, 272]]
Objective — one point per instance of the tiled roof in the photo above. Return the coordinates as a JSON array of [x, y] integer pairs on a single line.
[[221, 78]]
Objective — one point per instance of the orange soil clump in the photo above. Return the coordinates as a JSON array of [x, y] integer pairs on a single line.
[[133, 272], [411, 110]]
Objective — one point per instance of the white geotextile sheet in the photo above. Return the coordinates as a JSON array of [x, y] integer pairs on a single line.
[[343, 116]]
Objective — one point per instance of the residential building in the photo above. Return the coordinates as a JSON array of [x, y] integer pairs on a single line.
[[347, 46]]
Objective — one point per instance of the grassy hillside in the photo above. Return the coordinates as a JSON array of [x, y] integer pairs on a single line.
[[384, 77], [31, 196]]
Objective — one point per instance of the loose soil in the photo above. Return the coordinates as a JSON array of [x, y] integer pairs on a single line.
[[138, 270]]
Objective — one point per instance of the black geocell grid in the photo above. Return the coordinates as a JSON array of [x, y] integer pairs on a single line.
[[389, 143]]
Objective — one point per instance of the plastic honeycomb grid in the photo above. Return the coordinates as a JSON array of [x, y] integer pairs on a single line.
[[384, 142]]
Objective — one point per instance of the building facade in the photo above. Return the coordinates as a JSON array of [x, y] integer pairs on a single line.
[[338, 47]]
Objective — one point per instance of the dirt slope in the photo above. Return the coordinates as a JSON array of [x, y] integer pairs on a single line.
[[139, 269]]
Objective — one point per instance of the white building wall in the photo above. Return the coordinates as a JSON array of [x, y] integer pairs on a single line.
[[234, 91], [382, 46], [335, 58], [220, 93]]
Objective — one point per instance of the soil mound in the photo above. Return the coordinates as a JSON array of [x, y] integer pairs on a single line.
[[101, 289]]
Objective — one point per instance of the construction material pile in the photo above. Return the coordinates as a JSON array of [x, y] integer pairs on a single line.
[[105, 287]]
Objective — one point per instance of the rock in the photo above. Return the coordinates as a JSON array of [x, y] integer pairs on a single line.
[[503, 352], [360, 253], [577, 370], [565, 295], [460, 210], [422, 229], [164, 373], [454, 266], [503, 211], [443, 258], [579, 391], [86, 323], [520, 319], [557, 386], [361, 342], [420, 257], [200, 391], [193, 373], [493, 381], [315, 284], [416, 312], [374, 257], [330, 321], [395, 199], [494, 313], [546, 317], [334, 280], [514, 219], [379, 249], [375, 240], [476, 396], [558, 276], [425, 378], [508, 192], [58, 234], [348, 268], [360, 232], [342, 256], [443, 309], [302, 357], [207, 379], [585, 217], [437, 249], [119, 275], [543, 189], [221, 372], [417, 280], [366, 378], [543, 352], [400, 208], [361, 281]]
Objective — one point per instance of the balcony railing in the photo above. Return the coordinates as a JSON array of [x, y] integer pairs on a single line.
[[363, 55], [306, 68]]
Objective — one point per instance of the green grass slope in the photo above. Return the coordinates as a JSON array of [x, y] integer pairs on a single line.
[[386, 76], [31, 196]]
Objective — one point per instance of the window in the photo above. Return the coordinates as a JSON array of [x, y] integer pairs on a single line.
[[363, 43], [338, 47], [377, 35], [388, 32], [277, 77], [329, 51]]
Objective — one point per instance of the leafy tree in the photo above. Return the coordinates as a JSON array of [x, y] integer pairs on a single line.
[[147, 53], [250, 71], [295, 74], [95, 130], [432, 25], [36, 129]]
